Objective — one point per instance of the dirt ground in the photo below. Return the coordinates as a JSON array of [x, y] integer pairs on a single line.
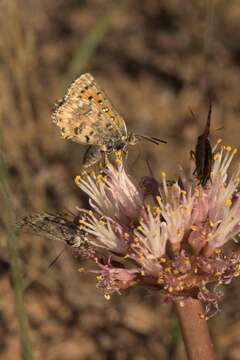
[[156, 59]]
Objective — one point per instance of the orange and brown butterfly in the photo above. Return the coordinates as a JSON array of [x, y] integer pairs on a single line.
[[86, 116]]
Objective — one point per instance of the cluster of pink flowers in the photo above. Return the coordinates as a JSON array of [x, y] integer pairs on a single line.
[[167, 235]]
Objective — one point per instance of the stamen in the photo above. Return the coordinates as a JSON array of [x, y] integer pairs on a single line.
[[228, 202], [99, 178], [194, 228], [99, 277], [158, 198], [216, 157], [77, 180]]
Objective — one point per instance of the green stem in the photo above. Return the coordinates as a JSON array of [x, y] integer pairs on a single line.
[[15, 262]]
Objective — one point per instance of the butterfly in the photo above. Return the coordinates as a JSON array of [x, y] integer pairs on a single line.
[[86, 116], [203, 153]]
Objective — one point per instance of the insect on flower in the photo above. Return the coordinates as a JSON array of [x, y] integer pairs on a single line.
[[86, 116], [203, 153]]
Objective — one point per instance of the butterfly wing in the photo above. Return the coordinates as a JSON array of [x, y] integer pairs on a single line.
[[85, 115]]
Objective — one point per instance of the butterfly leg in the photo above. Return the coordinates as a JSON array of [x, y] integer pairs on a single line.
[[104, 159], [91, 156]]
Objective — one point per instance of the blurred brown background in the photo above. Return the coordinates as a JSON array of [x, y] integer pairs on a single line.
[[155, 59]]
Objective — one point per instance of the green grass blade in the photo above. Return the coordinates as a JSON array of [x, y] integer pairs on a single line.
[[15, 261]]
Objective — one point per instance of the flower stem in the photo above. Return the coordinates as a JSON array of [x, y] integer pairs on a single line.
[[195, 331]]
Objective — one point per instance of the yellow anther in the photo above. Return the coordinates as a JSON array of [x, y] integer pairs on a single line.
[[107, 297], [158, 198], [142, 272], [197, 192], [77, 179], [118, 153], [102, 222], [162, 259], [235, 150], [92, 174], [99, 277], [126, 235], [170, 289], [183, 192], [99, 178], [90, 213], [139, 228], [219, 141], [163, 173], [157, 210], [237, 181], [216, 156], [228, 202], [81, 223], [228, 148], [81, 269], [160, 281], [118, 161]]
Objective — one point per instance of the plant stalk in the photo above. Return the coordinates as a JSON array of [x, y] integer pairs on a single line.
[[194, 329], [15, 262]]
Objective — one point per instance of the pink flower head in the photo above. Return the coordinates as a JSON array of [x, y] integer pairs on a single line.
[[174, 245], [169, 235]]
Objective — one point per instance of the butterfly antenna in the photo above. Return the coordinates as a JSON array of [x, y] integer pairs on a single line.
[[152, 139]]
